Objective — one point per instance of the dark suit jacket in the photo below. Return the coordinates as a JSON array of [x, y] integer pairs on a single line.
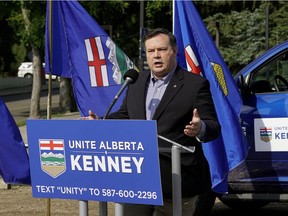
[[184, 92]]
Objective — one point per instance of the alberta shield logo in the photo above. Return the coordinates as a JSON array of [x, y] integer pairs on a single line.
[[52, 156], [266, 134]]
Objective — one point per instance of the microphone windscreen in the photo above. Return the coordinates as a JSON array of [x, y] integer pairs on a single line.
[[132, 74]]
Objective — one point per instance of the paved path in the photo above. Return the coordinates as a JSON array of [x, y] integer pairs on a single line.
[[16, 86], [23, 131]]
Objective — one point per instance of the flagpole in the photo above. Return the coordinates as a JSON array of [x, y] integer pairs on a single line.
[[50, 57], [173, 16], [49, 84]]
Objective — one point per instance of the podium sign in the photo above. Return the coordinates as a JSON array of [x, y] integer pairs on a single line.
[[110, 160]]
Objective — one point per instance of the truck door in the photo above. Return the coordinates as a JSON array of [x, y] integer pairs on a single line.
[[264, 119]]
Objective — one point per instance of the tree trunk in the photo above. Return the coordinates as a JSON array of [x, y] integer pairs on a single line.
[[67, 101], [37, 69], [36, 88]]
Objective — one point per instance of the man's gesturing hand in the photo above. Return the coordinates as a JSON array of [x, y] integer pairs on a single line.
[[91, 116], [194, 126]]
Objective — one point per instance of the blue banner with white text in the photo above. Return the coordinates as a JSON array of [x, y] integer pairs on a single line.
[[111, 161]]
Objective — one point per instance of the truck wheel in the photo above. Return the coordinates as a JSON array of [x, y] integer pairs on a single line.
[[244, 204], [205, 203]]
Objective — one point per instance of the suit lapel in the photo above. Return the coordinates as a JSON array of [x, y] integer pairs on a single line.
[[172, 89], [140, 99]]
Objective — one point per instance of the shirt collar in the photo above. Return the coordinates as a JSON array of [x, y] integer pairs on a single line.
[[165, 79]]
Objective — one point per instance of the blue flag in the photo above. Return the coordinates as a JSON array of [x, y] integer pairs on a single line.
[[78, 48], [14, 161], [197, 53]]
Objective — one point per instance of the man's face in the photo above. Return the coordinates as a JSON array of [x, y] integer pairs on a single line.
[[161, 57]]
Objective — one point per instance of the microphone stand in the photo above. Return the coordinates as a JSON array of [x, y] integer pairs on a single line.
[[110, 107], [128, 80], [130, 77]]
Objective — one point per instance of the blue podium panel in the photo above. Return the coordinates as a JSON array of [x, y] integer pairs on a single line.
[[109, 160]]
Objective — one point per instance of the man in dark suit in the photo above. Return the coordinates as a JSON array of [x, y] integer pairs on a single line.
[[182, 105]]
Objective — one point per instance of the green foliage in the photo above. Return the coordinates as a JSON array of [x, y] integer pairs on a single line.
[[19, 53], [159, 14], [278, 23], [241, 26], [7, 39], [154, 8], [36, 14], [242, 34], [123, 17], [20, 40]]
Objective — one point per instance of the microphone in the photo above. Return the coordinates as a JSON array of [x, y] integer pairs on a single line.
[[130, 77]]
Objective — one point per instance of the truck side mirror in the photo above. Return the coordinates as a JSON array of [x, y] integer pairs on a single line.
[[242, 85]]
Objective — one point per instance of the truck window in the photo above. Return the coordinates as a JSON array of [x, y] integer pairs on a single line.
[[272, 77]]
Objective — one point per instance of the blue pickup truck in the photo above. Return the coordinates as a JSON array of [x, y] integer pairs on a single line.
[[263, 176]]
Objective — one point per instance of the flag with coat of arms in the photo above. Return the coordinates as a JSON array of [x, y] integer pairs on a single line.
[[78, 48], [198, 53]]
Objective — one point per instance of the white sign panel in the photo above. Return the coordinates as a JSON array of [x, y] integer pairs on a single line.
[[271, 134]]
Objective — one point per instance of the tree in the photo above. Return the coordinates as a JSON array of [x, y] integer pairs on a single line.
[[123, 17], [34, 25], [6, 40], [241, 28], [235, 46], [278, 23], [242, 33], [67, 101]]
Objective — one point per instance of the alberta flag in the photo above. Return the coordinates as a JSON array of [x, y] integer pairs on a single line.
[[198, 53], [14, 161], [78, 48]]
